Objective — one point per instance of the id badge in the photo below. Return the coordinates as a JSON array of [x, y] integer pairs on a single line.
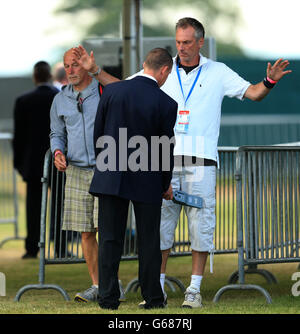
[[183, 121]]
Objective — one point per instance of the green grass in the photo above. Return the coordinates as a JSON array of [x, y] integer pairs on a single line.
[[74, 278]]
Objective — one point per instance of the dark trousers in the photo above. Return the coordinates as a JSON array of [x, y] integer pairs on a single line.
[[112, 223], [33, 216], [57, 185]]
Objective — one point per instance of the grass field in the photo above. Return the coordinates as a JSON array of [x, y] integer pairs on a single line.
[[74, 278]]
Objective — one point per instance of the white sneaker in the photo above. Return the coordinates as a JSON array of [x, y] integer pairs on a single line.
[[192, 298]]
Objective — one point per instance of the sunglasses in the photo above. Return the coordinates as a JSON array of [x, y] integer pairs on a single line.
[[79, 104]]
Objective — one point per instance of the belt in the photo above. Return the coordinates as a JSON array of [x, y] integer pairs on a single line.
[[187, 161]]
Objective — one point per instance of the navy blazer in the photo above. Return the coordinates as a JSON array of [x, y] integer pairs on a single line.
[[31, 131], [139, 107]]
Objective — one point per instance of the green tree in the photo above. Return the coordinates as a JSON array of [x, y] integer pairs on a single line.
[[218, 16]]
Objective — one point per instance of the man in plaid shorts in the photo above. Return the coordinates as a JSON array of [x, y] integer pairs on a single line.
[[72, 124]]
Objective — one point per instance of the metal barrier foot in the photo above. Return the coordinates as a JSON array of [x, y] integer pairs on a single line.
[[134, 284], [41, 287], [267, 275], [242, 287], [170, 279], [270, 278], [9, 239], [233, 279], [170, 285]]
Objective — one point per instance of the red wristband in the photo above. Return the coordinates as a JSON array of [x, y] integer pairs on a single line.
[[271, 81], [57, 152]]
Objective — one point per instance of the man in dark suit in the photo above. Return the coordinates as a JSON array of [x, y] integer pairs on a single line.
[[30, 143], [138, 110]]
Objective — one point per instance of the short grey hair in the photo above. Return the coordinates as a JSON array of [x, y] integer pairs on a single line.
[[190, 22]]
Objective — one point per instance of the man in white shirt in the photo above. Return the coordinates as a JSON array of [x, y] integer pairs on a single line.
[[198, 85]]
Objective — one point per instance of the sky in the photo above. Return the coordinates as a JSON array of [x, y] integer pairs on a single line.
[[27, 37], [271, 28], [269, 31]]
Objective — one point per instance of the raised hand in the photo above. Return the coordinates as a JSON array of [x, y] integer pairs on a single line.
[[85, 60], [277, 70]]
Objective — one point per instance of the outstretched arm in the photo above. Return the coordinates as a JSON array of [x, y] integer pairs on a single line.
[[87, 61], [275, 72]]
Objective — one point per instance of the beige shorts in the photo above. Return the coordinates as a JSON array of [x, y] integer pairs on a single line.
[[201, 222], [80, 207]]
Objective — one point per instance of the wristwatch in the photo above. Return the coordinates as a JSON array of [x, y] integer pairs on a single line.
[[96, 73]]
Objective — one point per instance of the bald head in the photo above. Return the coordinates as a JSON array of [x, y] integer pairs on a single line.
[[76, 74], [68, 53]]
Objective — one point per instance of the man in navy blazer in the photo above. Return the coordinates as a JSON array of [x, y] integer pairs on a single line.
[[30, 143], [131, 117]]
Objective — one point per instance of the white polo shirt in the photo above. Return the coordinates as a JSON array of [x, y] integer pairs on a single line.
[[215, 81]]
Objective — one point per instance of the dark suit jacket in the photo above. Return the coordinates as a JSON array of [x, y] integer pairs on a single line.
[[31, 131], [139, 106]]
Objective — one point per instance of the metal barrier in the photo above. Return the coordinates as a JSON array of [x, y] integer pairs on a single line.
[[225, 232], [57, 246], [8, 188], [268, 199], [259, 129]]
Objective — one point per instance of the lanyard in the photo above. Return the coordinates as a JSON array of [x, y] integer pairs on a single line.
[[192, 88]]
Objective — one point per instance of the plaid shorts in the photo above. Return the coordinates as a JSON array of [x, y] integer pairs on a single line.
[[80, 207]]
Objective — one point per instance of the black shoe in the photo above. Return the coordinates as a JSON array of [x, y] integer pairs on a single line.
[[109, 307], [29, 256], [150, 307], [163, 305]]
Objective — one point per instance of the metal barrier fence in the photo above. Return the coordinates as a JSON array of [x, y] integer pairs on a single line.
[[259, 129], [268, 209], [8, 188], [225, 236], [57, 246]]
